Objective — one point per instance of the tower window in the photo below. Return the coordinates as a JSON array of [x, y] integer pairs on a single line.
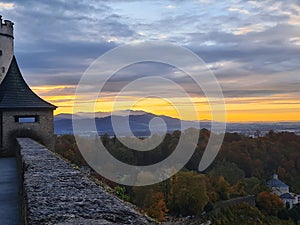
[[0, 52], [26, 119]]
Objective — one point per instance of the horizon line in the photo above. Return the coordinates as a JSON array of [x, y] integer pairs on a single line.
[[203, 120]]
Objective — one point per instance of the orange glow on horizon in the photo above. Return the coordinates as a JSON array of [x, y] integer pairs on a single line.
[[252, 109]]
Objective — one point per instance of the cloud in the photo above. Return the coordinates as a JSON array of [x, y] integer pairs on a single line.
[[6, 6], [233, 9], [249, 42], [170, 6]]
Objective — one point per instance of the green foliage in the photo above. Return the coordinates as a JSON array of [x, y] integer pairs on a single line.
[[295, 214], [237, 215], [239, 156], [221, 187], [241, 168], [244, 214], [272, 220], [253, 186], [230, 171], [121, 193], [283, 214], [65, 145], [188, 193]]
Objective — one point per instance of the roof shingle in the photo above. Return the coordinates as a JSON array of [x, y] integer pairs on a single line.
[[16, 94], [287, 196], [277, 183]]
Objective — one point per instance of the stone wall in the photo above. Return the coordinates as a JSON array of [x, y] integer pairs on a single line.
[[250, 200], [42, 130], [6, 46], [55, 193]]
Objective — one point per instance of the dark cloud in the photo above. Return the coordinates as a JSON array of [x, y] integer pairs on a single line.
[[56, 41]]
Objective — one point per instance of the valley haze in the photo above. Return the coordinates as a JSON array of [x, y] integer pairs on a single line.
[[139, 124]]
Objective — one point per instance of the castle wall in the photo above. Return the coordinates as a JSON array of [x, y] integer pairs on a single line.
[[41, 130], [52, 192], [36, 123], [6, 46]]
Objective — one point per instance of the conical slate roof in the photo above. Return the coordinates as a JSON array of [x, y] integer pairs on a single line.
[[16, 94]]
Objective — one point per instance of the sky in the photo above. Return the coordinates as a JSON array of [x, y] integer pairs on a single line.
[[252, 48]]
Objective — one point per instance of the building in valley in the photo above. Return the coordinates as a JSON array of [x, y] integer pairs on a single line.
[[283, 191]]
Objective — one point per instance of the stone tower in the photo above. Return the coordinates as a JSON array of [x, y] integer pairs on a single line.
[[6, 46], [22, 112]]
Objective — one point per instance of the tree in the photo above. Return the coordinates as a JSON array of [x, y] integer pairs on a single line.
[[155, 205], [222, 188], [283, 214], [295, 214], [237, 215], [269, 202], [230, 171], [253, 186], [188, 193], [150, 199]]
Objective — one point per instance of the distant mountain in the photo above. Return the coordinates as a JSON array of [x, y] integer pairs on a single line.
[[86, 115], [139, 124], [63, 116]]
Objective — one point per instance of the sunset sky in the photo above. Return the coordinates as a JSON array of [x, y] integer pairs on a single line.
[[252, 47]]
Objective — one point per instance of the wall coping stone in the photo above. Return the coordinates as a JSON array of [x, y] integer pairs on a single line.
[[56, 193]]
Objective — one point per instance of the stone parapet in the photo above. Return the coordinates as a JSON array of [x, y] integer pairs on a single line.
[[56, 193]]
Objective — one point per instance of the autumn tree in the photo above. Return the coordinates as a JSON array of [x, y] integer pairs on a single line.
[[269, 203], [155, 205], [188, 193], [151, 200], [222, 187]]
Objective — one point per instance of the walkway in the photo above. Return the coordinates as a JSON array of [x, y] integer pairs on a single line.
[[9, 204]]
